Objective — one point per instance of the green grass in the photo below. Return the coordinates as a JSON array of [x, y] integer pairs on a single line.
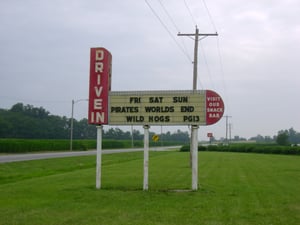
[[235, 188]]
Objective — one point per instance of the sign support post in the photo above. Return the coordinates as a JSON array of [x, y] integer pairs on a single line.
[[99, 157], [194, 151], [146, 157]]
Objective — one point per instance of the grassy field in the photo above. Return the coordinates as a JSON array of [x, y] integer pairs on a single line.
[[236, 188]]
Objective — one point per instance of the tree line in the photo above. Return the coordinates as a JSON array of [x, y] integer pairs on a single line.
[[27, 121], [283, 137]]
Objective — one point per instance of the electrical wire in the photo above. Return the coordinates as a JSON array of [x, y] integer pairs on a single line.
[[219, 55], [190, 12], [168, 14], [223, 73], [206, 64], [175, 26], [169, 32], [209, 15], [203, 52], [218, 49]]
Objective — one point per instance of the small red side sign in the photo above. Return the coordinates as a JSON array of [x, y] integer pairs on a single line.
[[100, 85], [214, 107]]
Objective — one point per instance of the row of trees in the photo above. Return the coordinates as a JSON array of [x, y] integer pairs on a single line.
[[283, 137], [27, 121], [116, 133]]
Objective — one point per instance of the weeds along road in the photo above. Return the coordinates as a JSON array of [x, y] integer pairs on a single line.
[[35, 156]]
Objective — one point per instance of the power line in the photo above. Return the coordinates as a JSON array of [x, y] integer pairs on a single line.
[[218, 49], [222, 73], [169, 32], [169, 16], [203, 52], [206, 64], [219, 53], [175, 26], [190, 12], [209, 15]]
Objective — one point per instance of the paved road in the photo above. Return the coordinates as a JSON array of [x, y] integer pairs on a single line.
[[36, 156]]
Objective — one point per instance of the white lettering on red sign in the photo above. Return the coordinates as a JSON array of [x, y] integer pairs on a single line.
[[100, 73], [214, 107]]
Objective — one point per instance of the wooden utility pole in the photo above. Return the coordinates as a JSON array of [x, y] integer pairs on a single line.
[[194, 130], [195, 69]]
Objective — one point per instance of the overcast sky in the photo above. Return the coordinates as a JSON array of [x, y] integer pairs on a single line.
[[253, 64]]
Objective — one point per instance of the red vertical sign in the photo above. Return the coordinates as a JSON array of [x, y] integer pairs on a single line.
[[214, 107], [100, 85]]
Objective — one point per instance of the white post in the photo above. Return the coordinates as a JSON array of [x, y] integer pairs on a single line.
[[71, 135], [194, 157], [99, 157], [146, 157]]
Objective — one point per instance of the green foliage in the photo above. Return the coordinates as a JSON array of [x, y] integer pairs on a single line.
[[27, 121], [185, 148], [31, 145], [113, 144], [260, 139], [248, 148], [179, 136], [35, 145], [294, 136], [282, 138]]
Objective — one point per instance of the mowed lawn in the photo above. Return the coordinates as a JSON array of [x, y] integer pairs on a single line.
[[235, 188]]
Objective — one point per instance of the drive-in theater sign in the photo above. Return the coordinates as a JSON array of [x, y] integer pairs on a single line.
[[167, 107]]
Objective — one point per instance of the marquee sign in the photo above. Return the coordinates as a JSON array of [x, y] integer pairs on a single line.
[[202, 107]]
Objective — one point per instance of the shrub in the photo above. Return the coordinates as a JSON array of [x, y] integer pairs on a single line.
[[185, 148], [202, 148], [213, 148], [248, 148]]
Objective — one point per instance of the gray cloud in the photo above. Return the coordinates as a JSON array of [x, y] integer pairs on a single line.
[[44, 57]]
